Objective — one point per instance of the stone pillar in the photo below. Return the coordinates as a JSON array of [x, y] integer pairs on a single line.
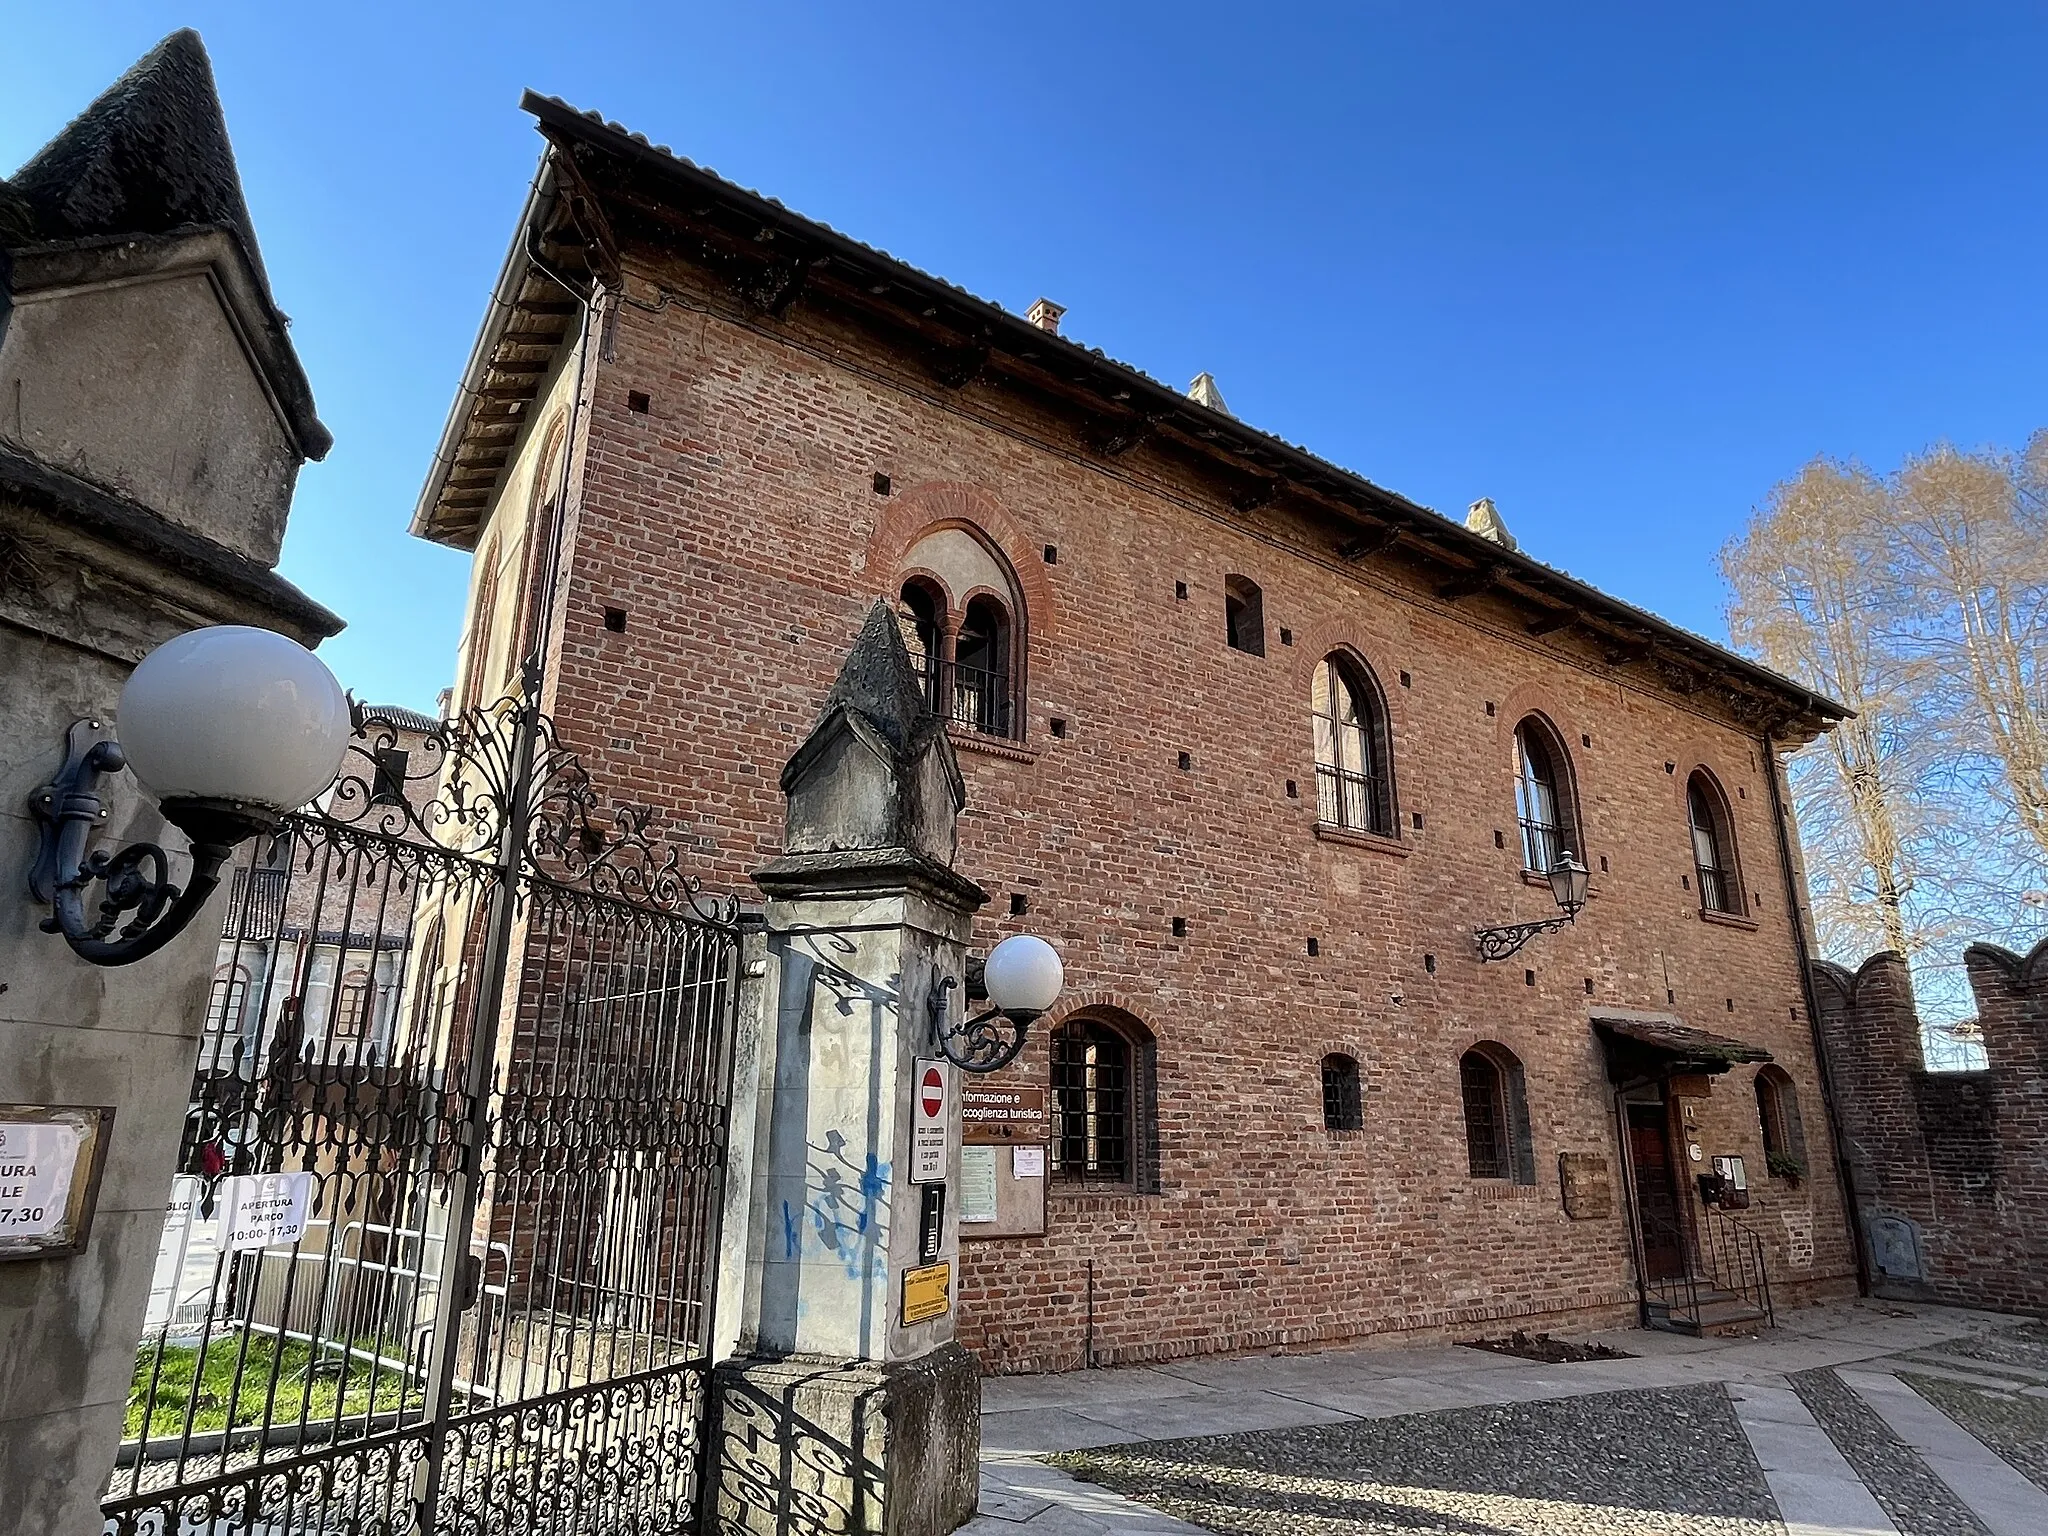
[[155, 418], [834, 1414]]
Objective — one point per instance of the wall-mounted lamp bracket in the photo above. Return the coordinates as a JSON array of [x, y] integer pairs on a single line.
[[1499, 943], [988, 1042], [136, 878]]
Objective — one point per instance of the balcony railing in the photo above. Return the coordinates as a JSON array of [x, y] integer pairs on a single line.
[[977, 698]]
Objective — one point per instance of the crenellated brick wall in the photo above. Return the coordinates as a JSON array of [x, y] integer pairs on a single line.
[[1949, 1169]]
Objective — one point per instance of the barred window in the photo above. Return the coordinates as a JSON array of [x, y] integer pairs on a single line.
[[1543, 798], [1497, 1144], [981, 668], [1352, 783], [1103, 1100], [1712, 845], [1343, 1106]]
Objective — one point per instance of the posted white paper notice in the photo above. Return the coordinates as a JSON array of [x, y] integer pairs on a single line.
[[37, 1162], [1027, 1162], [978, 1183], [264, 1210]]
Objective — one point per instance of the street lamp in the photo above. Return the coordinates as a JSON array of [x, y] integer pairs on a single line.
[[1569, 880], [230, 727], [1020, 980]]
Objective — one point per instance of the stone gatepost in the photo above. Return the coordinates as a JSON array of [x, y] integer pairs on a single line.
[[834, 1412]]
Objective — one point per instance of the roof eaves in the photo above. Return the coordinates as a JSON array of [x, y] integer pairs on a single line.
[[512, 275], [592, 127]]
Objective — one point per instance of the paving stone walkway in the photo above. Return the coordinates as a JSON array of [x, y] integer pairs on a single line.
[[1816, 1428]]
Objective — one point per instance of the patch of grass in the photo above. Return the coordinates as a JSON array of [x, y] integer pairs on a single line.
[[230, 1399]]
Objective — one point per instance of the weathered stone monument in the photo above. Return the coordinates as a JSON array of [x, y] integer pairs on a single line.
[[848, 1406]]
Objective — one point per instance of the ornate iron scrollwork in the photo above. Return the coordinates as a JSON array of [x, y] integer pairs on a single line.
[[988, 1042], [1499, 943], [136, 878], [472, 762]]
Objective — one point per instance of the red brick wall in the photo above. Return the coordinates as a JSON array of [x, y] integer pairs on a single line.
[[737, 523], [1962, 1156]]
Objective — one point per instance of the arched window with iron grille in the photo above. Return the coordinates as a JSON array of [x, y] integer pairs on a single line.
[[1545, 803], [1354, 777], [1497, 1140], [1104, 1104]]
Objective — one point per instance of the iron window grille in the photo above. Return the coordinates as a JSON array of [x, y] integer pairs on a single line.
[[1539, 802], [1486, 1117], [1708, 863], [1343, 1107], [1092, 1104], [1350, 791]]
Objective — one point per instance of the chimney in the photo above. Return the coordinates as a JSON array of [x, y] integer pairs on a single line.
[[1203, 391], [1485, 520], [1046, 315]]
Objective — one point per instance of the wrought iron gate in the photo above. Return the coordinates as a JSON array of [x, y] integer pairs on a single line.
[[486, 1035]]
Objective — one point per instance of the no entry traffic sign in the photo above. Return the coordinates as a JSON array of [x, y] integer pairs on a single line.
[[931, 1122]]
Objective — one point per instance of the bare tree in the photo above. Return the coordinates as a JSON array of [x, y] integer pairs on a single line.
[[1810, 592], [1970, 534]]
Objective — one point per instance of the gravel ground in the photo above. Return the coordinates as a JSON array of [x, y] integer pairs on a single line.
[[1663, 1463], [1919, 1503], [2014, 1425], [2027, 1346]]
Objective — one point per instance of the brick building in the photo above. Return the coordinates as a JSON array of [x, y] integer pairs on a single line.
[[1256, 743]]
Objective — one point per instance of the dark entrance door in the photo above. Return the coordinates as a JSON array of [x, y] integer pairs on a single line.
[[1656, 1191]]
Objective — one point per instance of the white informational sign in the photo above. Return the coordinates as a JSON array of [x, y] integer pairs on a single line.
[[1027, 1162], [263, 1210], [931, 1121], [978, 1183], [37, 1164]]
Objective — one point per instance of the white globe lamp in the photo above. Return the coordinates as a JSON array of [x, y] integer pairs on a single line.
[[1023, 976], [234, 716]]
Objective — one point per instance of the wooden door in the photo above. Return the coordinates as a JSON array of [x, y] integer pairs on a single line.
[[1656, 1191]]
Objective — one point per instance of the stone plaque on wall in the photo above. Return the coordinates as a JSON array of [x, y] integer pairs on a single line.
[[1588, 1190]]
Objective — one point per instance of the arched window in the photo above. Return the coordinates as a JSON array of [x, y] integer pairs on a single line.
[[1244, 615], [1777, 1111], [352, 1005], [1353, 786], [1543, 798], [1497, 1144], [1103, 1104], [1343, 1104], [543, 513], [1713, 846], [921, 612], [483, 615], [981, 668]]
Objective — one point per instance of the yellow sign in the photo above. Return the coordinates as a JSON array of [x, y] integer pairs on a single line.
[[927, 1293]]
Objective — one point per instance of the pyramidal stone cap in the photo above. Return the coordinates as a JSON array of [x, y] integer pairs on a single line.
[[877, 772]]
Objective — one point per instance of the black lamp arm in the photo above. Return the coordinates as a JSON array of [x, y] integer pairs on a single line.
[[979, 1044], [136, 878], [1499, 943]]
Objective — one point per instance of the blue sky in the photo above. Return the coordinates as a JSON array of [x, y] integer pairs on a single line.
[[1619, 267]]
